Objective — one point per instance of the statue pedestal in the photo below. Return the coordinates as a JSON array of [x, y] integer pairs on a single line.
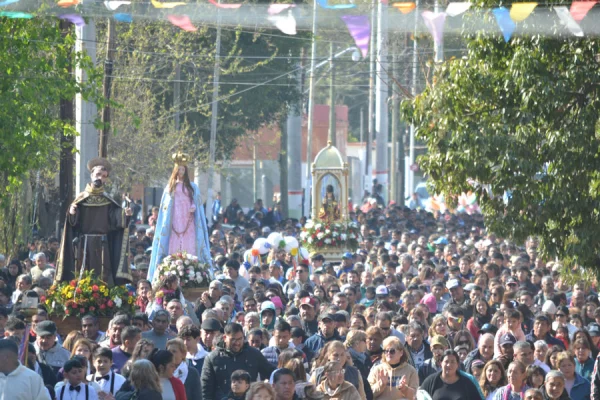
[[332, 254]]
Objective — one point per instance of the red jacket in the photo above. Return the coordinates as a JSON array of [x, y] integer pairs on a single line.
[[178, 388]]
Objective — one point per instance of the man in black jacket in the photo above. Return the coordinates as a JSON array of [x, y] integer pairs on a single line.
[[439, 344], [230, 355], [417, 347]]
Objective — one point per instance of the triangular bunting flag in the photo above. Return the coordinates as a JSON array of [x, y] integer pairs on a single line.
[[229, 6], [277, 8], [285, 23], [67, 3], [360, 30], [507, 25], [435, 23], [579, 9], [324, 4], [405, 7], [457, 8], [113, 5], [76, 19], [158, 4], [7, 2], [15, 14], [183, 22], [520, 11], [123, 17], [566, 18]]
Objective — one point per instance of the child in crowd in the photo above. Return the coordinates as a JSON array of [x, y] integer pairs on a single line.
[[75, 387], [108, 381], [240, 383]]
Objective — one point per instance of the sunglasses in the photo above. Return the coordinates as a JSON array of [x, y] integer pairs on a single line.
[[300, 271], [391, 352], [560, 315]]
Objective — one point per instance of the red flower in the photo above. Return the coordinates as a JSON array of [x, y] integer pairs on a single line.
[[82, 310], [78, 291], [42, 299], [95, 288], [92, 308], [102, 306], [73, 283], [74, 305], [95, 295], [110, 303], [68, 311]]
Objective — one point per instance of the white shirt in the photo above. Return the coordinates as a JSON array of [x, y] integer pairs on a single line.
[[22, 384], [74, 395], [104, 384]]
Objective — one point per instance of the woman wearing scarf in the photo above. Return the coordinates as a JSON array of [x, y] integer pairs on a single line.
[[482, 314], [516, 388]]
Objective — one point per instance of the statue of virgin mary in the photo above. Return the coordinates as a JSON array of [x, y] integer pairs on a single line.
[[181, 223]]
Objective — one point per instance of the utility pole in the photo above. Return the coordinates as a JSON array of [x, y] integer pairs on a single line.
[[332, 127], [371, 109], [415, 61], [213, 120], [311, 106], [66, 149], [294, 154], [177, 95], [255, 177], [438, 47], [106, 87], [86, 112], [381, 98], [394, 156], [283, 169]]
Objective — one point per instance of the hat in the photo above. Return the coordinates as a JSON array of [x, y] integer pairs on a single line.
[[477, 363], [267, 305], [441, 240], [382, 290], [327, 316], [549, 307], [469, 287], [593, 329], [507, 338], [318, 257], [431, 303], [277, 301], [99, 162], [266, 230], [347, 255], [439, 340], [488, 328], [482, 260], [452, 284], [511, 281], [308, 301], [45, 328], [211, 324]]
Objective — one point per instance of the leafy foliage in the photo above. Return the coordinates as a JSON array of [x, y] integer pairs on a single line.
[[520, 120]]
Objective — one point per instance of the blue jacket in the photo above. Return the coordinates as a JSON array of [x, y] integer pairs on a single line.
[[586, 369], [316, 342], [581, 388], [549, 339]]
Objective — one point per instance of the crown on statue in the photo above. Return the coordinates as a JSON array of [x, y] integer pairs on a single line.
[[181, 158]]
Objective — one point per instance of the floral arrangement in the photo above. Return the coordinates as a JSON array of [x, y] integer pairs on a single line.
[[186, 267], [88, 295], [315, 236]]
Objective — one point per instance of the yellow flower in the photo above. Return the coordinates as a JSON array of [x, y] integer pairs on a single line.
[[130, 300]]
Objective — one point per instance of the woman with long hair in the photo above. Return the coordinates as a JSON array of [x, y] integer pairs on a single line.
[[450, 382], [141, 351], [517, 383], [181, 224], [335, 351], [260, 391], [482, 314], [492, 377], [188, 376], [394, 378], [172, 388], [145, 382], [356, 343], [334, 386], [535, 376]]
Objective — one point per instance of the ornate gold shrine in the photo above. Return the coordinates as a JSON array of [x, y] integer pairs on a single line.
[[330, 168]]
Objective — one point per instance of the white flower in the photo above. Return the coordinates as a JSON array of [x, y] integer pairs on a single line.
[[188, 256], [303, 235], [53, 304], [118, 302], [310, 240], [318, 226], [327, 230], [343, 236], [309, 225], [199, 277], [320, 235], [191, 276], [327, 241], [335, 234], [179, 262], [194, 258], [352, 236]]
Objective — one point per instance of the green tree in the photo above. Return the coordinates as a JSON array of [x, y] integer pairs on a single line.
[[520, 118], [36, 63]]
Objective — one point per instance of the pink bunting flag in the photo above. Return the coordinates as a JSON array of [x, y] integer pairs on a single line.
[[183, 22], [229, 6], [275, 9], [579, 9], [435, 23], [360, 30]]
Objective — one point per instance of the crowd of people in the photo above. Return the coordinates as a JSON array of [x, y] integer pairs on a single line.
[[428, 306]]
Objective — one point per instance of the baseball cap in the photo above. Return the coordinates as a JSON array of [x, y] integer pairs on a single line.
[[507, 338], [430, 301], [511, 281], [469, 287], [347, 255], [211, 324], [45, 328], [382, 290], [593, 329], [452, 284], [488, 328], [482, 260], [440, 341], [308, 301], [327, 316]]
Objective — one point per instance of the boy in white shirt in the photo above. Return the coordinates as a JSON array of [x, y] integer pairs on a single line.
[[109, 381], [75, 388]]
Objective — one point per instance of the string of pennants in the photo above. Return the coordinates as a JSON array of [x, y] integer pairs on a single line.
[[282, 17]]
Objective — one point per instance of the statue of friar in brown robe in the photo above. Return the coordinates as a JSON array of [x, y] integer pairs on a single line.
[[96, 235]]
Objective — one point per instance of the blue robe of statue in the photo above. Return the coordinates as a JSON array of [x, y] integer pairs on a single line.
[[160, 245]]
